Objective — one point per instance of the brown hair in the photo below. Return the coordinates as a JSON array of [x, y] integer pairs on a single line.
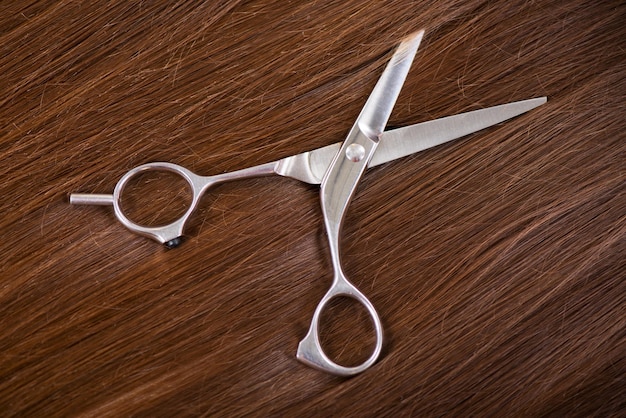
[[495, 262]]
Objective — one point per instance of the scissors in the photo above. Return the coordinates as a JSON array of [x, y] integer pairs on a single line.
[[338, 169]]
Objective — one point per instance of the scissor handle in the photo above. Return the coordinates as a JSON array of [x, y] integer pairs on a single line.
[[310, 349], [169, 234], [338, 186]]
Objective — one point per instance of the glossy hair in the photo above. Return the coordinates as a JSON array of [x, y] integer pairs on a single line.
[[496, 262]]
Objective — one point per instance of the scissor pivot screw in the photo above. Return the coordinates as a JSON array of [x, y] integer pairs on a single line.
[[355, 152]]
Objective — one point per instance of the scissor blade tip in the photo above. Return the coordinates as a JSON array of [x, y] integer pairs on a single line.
[[410, 44], [537, 101], [415, 36]]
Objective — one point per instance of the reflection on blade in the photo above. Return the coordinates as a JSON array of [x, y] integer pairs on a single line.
[[310, 166], [411, 139], [380, 103]]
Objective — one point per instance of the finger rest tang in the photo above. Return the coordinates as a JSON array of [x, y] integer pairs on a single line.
[[91, 199]]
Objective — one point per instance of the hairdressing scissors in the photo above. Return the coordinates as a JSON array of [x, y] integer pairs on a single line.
[[338, 169]]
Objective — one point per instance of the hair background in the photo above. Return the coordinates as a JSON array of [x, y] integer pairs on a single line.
[[496, 262]]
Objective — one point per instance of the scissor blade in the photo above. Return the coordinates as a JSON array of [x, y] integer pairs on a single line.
[[311, 166], [378, 107], [408, 140]]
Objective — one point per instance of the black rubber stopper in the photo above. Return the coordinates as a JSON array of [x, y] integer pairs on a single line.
[[173, 243]]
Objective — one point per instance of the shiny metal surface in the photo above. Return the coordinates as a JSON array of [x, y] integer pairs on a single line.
[[167, 234], [310, 166], [338, 168], [408, 140], [337, 190], [338, 187]]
